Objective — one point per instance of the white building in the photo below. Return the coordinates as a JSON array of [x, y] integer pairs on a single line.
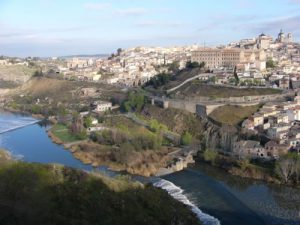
[[102, 106]]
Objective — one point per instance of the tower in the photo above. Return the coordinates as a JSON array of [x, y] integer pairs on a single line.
[[289, 37], [281, 37]]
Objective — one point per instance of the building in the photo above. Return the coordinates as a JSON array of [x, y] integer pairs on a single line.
[[251, 149], [273, 149], [279, 132], [101, 106], [230, 57], [3, 62], [282, 38], [264, 41], [257, 119], [77, 63]]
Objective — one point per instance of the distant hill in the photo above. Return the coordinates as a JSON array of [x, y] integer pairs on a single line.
[[85, 56]]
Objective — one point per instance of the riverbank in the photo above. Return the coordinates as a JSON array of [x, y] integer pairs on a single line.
[[49, 190], [21, 112], [34, 145], [146, 163], [124, 144], [260, 171]]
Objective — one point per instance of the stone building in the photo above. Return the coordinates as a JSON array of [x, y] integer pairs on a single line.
[[101, 106], [249, 149], [282, 38], [264, 41], [230, 57]]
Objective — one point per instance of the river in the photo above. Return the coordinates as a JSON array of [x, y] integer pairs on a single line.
[[213, 194]]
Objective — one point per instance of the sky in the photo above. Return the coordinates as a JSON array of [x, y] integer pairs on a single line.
[[68, 27]]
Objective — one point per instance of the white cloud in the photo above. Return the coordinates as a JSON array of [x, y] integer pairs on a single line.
[[155, 23], [294, 1], [131, 11], [97, 6]]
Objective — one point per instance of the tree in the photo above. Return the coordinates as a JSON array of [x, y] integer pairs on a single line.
[[210, 156], [88, 121], [186, 138], [236, 77], [155, 126], [286, 166], [135, 102], [202, 64], [77, 128], [119, 51], [270, 64], [192, 65], [213, 79], [232, 80], [174, 67], [38, 73], [159, 80]]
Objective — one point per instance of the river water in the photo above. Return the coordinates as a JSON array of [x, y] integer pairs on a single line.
[[215, 196]]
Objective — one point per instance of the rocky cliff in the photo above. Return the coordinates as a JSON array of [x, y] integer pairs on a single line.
[[220, 138]]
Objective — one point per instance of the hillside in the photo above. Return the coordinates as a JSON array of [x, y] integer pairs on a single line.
[[15, 75], [196, 89], [65, 91], [233, 115], [178, 121], [53, 194]]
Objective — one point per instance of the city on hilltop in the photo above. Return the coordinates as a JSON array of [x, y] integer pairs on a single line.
[[261, 62], [159, 131]]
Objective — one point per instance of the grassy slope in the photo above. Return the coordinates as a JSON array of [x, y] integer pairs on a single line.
[[7, 84], [48, 194], [194, 89], [62, 132], [16, 73], [233, 115], [63, 89], [45, 87], [178, 121]]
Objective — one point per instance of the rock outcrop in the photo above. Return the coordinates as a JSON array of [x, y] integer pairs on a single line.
[[220, 138]]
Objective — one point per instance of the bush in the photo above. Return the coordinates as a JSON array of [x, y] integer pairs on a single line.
[[134, 103], [155, 126], [159, 80], [137, 141], [88, 121], [244, 164], [43, 194], [210, 156], [186, 138]]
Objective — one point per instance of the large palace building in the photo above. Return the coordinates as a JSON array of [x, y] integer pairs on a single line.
[[230, 57]]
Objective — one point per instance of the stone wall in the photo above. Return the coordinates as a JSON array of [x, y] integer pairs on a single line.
[[203, 106]]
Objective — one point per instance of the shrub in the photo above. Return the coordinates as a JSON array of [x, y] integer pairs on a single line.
[[210, 156], [155, 126], [186, 138], [134, 103]]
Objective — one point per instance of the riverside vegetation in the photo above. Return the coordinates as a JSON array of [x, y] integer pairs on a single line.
[[53, 194], [285, 171], [216, 144], [136, 148]]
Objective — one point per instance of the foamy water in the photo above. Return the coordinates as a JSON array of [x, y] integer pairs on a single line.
[[8, 124], [177, 193]]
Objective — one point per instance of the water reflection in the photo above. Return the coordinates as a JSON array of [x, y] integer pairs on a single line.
[[225, 196]]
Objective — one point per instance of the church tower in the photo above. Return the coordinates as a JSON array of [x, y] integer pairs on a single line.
[[281, 37]]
